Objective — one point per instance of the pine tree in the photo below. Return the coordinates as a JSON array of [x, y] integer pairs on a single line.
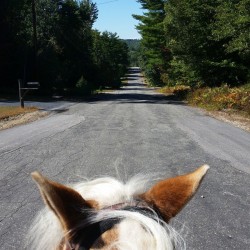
[[153, 40]]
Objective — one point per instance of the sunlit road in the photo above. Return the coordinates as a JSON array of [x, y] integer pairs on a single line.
[[122, 133]]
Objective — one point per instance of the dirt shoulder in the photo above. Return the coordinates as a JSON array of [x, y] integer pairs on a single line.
[[237, 119], [21, 119], [231, 117]]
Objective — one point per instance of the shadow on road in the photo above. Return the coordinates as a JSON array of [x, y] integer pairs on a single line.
[[134, 92], [135, 98]]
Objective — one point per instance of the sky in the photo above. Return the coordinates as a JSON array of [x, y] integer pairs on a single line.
[[116, 16]]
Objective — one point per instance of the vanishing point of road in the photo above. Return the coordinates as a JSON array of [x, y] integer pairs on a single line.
[[122, 133]]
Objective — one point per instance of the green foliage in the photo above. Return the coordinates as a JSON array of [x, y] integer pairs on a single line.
[[232, 26], [65, 53], [188, 32], [134, 52], [232, 30], [202, 42], [133, 44], [110, 56], [83, 87], [153, 50]]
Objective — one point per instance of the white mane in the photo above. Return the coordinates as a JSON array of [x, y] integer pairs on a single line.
[[136, 231]]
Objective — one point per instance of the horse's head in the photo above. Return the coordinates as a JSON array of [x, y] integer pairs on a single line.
[[125, 220]]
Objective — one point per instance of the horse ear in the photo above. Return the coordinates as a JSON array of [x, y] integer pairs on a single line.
[[171, 195], [66, 203]]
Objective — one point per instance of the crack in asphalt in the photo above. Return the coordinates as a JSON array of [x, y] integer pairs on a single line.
[[121, 134]]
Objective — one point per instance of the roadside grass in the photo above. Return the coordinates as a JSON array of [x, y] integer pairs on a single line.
[[8, 111], [214, 99]]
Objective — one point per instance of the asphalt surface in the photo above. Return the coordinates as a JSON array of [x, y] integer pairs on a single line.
[[130, 131]]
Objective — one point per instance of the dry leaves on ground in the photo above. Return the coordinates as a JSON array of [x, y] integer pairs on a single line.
[[21, 119]]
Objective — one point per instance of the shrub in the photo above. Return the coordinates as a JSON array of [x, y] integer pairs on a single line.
[[83, 87], [180, 91], [220, 98]]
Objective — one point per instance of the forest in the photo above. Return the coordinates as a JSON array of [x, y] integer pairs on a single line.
[[53, 42], [195, 43], [133, 52]]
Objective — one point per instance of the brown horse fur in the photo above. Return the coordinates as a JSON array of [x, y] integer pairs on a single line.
[[63, 201], [168, 197]]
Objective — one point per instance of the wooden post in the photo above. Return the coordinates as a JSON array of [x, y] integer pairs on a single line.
[[34, 25], [20, 93]]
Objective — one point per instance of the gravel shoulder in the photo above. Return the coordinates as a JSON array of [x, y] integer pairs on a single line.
[[233, 118]]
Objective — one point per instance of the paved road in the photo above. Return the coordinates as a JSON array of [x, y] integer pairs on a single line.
[[123, 133]]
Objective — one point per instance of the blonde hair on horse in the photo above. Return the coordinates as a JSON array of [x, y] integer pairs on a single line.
[[102, 200]]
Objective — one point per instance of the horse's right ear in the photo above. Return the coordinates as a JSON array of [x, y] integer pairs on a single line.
[[65, 202], [171, 195]]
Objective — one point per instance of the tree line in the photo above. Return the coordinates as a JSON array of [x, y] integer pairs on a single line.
[[53, 42], [133, 53], [195, 42]]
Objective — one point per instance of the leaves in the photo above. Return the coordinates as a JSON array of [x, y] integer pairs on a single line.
[[193, 42], [222, 98], [153, 42], [69, 55], [110, 55]]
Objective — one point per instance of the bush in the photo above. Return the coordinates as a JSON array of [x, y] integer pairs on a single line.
[[83, 87], [220, 98], [180, 91]]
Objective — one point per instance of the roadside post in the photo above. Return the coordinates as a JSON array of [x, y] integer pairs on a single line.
[[24, 90]]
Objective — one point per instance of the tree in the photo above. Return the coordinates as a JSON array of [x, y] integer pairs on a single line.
[[134, 52], [188, 28], [110, 55], [73, 39], [11, 52], [67, 50], [153, 39], [208, 40], [195, 42], [232, 30]]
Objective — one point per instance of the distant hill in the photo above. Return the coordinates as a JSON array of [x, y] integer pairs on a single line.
[[133, 44], [134, 48]]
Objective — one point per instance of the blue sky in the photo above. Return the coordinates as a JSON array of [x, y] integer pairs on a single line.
[[116, 16]]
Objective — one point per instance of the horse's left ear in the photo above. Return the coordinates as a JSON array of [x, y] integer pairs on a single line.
[[66, 203], [171, 195]]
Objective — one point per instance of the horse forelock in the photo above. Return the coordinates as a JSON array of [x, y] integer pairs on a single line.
[[46, 232]]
